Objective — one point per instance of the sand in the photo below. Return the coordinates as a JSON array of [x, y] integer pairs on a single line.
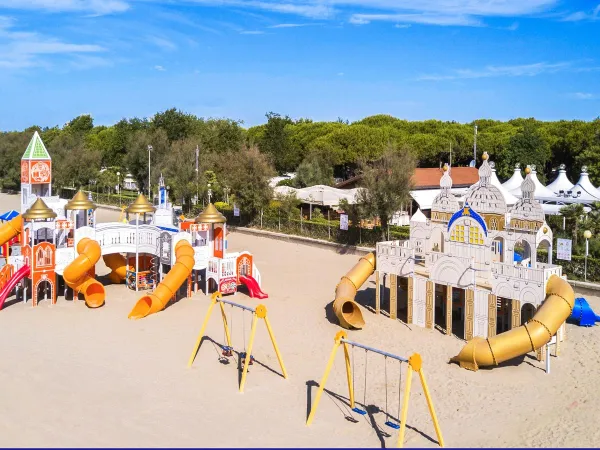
[[72, 376]]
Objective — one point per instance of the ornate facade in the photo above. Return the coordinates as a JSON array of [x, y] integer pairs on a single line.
[[472, 269]]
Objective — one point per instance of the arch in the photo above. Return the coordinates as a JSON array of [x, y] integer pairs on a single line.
[[530, 295], [450, 271], [545, 246], [44, 290], [504, 290], [522, 252], [527, 312]]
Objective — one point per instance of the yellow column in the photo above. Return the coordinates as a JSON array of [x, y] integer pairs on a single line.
[[409, 305], [393, 297], [449, 310], [516, 314], [430, 286], [492, 313], [377, 293], [469, 313]]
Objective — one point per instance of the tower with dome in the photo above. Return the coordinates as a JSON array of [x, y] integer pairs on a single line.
[[472, 269]]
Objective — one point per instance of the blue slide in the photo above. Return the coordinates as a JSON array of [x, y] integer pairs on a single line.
[[582, 314]]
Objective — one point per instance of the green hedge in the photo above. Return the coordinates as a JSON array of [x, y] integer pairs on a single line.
[[575, 269], [101, 199]]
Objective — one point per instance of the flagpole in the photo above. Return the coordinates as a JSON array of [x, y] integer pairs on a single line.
[[197, 183]]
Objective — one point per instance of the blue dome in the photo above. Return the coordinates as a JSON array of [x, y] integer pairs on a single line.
[[467, 211]]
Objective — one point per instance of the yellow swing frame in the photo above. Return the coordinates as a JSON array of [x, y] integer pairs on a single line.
[[415, 364], [260, 312]]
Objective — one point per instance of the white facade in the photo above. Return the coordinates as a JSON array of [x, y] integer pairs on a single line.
[[461, 264]]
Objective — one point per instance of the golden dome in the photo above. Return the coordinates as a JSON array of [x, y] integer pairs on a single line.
[[210, 215], [38, 211], [80, 202], [141, 205]]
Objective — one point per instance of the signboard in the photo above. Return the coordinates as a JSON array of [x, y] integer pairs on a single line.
[[236, 211], [563, 250], [344, 222], [199, 227], [64, 225]]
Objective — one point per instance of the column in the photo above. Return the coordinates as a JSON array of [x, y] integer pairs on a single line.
[[449, 310], [429, 300], [492, 313], [377, 293], [409, 303], [516, 313], [469, 313], [393, 296]]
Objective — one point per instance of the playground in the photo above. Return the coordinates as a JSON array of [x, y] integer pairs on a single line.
[[75, 376]]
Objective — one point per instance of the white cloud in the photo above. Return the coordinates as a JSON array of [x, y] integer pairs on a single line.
[[20, 49], [582, 96], [252, 32], [524, 70], [340, 74], [404, 25], [582, 15], [425, 19], [160, 68], [290, 25], [163, 43], [87, 6]]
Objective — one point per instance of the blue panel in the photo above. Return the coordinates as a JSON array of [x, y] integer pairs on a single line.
[[467, 211]]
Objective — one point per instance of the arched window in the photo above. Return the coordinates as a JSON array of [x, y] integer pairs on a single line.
[[493, 223], [458, 233], [475, 235]]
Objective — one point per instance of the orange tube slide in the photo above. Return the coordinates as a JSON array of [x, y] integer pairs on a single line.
[[537, 332], [10, 229], [344, 306], [181, 270], [118, 266], [77, 277]]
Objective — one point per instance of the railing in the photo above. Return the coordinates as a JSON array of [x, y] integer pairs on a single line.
[[519, 272], [256, 275], [549, 270], [222, 268], [432, 257], [398, 249]]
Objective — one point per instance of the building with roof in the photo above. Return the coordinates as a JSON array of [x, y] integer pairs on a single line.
[[472, 269]]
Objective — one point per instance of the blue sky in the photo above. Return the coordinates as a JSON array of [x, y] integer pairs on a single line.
[[322, 59]]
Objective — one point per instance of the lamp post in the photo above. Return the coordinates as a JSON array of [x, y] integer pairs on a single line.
[[226, 192], [149, 191], [587, 234], [119, 186], [209, 193]]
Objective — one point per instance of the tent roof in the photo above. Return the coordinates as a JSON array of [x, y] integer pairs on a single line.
[[36, 148], [561, 183]]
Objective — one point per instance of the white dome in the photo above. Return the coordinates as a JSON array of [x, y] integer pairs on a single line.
[[484, 197], [418, 216]]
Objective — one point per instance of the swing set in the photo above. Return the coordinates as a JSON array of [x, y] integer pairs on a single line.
[[260, 312], [415, 364]]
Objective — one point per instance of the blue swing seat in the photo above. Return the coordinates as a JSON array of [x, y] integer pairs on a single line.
[[357, 410], [393, 425]]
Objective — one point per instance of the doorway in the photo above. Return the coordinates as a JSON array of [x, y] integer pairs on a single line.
[[503, 315], [403, 299], [441, 292], [527, 312], [44, 290], [458, 312]]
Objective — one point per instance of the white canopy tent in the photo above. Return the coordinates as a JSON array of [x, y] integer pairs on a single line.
[[561, 183], [515, 181], [584, 188]]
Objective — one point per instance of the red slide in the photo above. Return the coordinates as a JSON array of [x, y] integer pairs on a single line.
[[18, 276], [253, 287]]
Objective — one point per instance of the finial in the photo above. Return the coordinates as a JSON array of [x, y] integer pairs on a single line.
[[517, 166], [492, 165], [533, 167], [562, 167], [528, 170], [584, 169], [484, 156], [445, 168]]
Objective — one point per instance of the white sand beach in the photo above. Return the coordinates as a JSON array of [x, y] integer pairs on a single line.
[[73, 376]]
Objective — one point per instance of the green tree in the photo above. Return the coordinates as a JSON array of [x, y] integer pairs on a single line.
[[274, 141], [314, 170], [81, 124], [529, 147], [248, 177], [573, 215], [137, 156], [176, 124], [386, 184]]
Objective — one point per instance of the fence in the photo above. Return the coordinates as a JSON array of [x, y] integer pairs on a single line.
[[274, 219]]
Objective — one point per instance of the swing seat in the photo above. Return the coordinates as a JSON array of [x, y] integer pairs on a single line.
[[227, 351], [393, 425], [243, 356], [362, 412]]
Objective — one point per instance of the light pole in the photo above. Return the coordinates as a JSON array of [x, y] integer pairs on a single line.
[[119, 186], [149, 191], [209, 192], [587, 234], [226, 192]]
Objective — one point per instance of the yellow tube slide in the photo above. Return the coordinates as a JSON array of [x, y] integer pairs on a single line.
[[537, 332], [344, 306], [10, 229], [151, 303], [77, 277], [118, 266]]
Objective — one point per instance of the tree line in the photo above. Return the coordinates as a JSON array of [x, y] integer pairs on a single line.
[[242, 159]]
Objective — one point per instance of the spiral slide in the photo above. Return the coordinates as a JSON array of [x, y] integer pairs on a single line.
[[77, 277], [344, 306], [538, 331], [118, 266], [181, 270]]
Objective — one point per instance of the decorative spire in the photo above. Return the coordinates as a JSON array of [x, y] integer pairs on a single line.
[[485, 171], [446, 180], [528, 186]]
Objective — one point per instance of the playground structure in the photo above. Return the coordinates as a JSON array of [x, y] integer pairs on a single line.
[[469, 270], [57, 242], [260, 312], [414, 364]]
